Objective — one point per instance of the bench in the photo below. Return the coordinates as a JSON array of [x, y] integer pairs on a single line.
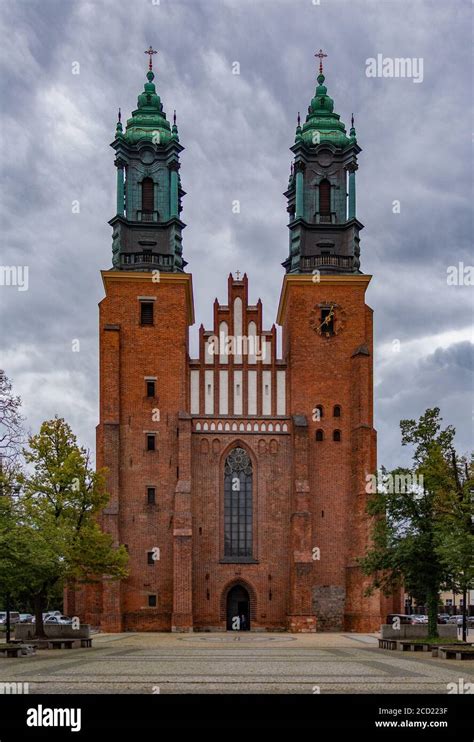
[[60, 643], [10, 651], [454, 645], [455, 653], [387, 643], [407, 646]]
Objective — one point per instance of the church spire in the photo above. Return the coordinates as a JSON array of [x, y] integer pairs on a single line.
[[147, 226], [324, 230]]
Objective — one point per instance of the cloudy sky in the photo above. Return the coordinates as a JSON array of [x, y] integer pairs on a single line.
[[416, 139]]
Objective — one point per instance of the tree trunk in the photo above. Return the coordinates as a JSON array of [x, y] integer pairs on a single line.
[[432, 604], [39, 602], [464, 614], [8, 624]]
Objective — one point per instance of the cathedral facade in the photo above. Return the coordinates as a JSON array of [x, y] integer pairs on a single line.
[[237, 479]]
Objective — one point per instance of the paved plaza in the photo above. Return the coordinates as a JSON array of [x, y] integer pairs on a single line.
[[234, 663]]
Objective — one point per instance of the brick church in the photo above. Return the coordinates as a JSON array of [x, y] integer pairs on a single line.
[[236, 478]]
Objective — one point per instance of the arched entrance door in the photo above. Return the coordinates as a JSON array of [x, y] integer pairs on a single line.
[[238, 604]]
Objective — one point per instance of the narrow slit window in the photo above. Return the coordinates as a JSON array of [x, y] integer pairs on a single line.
[[147, 195], [146, 312], [150, 389], [325, 198], [150, 442], [151, 495]]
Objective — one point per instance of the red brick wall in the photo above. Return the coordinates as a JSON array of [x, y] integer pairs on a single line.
[[306, 493], [271, 513], [129, 352], [324, 371]]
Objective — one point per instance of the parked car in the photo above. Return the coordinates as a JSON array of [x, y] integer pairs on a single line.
[[58, 620], [458, 620], [14, 617], [443, 617], [46, 615], [26, 617], [419, 619]]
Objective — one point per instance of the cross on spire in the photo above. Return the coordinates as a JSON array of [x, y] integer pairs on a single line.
[[150, 51], [237, 273], [321, 56]]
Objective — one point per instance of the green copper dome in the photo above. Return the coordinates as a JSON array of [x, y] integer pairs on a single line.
[[149, 119], [321, 118]]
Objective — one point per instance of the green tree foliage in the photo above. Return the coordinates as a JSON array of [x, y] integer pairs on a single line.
[[57, 537], [419, 528], [455, 528]]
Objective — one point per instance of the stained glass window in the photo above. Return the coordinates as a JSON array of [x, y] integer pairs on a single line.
[[238, 504]]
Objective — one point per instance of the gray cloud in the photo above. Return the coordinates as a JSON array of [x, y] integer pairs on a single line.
[[56, 128]]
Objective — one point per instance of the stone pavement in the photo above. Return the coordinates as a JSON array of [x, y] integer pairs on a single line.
[[234, 663]]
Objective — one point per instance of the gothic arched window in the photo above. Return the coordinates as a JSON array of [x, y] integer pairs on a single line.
[[319, 435], [337, 411], [238, 504], [336, 436], [325, 197], [147, 195]]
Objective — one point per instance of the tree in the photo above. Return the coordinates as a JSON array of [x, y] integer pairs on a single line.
[[11, 423], [405, 547], [58, 506], [455, 529]]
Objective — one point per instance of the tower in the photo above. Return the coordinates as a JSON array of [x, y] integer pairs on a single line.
[[143, 335], [147, 226], [324, 230], [328, 346]]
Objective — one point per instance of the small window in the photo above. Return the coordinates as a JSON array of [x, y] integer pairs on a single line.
[[146, 312], [337, 411], [150, 442], [320, 411], [152, 601], [147, 195], [336, 436], [150, 389], [325, 197], [150, 559], [151, 495], [319, 435]]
